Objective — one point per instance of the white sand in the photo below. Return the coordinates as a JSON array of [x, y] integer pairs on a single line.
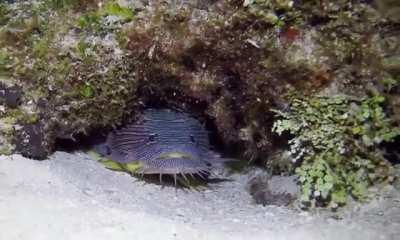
[[72, 196]]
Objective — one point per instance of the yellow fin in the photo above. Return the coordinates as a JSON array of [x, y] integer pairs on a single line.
[[96, 156], [132, 167], [112, 165]]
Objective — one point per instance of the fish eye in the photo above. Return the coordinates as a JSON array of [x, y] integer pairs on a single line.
[[108, 150], [192, 139], [152, 137]]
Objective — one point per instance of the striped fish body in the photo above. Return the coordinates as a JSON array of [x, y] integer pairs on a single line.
[[164, 142]]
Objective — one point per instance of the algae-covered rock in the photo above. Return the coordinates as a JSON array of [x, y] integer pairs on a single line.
[[10, 96]]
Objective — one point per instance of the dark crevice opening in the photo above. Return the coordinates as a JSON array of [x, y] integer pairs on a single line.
[[81, 141], [392, 151], [86, 142]]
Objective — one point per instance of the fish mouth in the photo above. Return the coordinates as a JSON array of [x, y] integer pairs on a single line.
[[175, 155]]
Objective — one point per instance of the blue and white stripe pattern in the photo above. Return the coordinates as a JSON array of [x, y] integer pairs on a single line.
[[165, 142]]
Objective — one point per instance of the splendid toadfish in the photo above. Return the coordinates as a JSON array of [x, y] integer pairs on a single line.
[[164, 141]]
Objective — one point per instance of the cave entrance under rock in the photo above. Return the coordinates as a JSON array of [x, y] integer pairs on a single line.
[[90, 143], [98, 135]]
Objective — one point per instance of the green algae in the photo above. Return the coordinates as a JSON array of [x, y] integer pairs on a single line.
[[4, 11], [336, 146], [5, 63], [114, 9], [90, 21], [19, 116]]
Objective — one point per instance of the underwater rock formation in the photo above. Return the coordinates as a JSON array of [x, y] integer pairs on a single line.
[[86, 66], [273, 190]]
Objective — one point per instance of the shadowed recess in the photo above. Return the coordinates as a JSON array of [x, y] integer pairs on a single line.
[[162, 142]]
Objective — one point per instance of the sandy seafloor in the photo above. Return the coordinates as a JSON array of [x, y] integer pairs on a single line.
[[72, 196]]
